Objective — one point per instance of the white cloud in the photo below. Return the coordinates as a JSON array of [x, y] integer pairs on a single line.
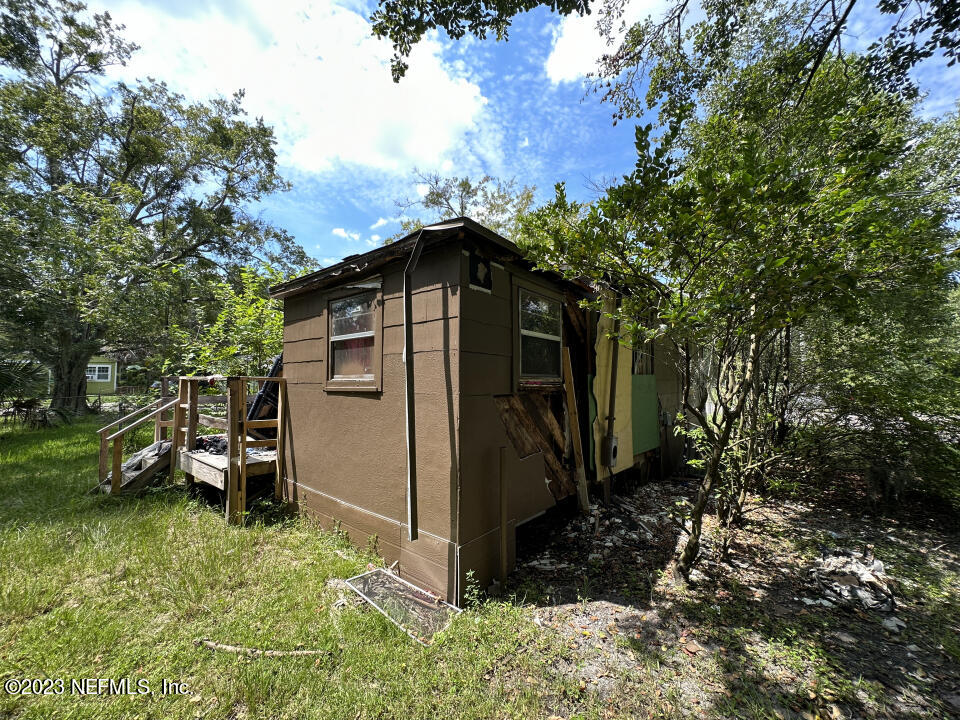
[[578, 44], [375, 238], [314, 72], [327, 261], [379, 223], [342, 233]]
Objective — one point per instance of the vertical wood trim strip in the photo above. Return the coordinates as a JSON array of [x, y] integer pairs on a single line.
[[116, 479], [242, 502], [104, 457], [503, 516], [281, 431]]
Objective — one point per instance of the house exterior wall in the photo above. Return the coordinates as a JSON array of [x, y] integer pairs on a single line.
[[488, 325], [95, 387], [346, 454], [346, 451], [669, 391]]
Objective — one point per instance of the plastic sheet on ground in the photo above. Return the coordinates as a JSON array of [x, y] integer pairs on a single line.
[[412, 609]]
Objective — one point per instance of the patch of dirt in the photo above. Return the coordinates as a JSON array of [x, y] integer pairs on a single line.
[[751, 637]]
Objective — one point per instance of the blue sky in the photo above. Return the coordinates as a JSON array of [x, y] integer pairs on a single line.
[[349, 138]]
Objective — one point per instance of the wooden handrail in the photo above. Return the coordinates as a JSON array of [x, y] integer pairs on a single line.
[[141, 421], [186, 417], [127, 417], [269, 423]]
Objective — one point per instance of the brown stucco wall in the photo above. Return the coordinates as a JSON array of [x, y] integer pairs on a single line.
[[346, 455], [486, 370], [346, 458]]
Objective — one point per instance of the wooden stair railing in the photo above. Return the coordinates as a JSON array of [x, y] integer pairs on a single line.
[[238, 442], [187, 418], [111, 460]]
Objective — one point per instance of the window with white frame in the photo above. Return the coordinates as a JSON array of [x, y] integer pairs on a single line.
[[353, 337], [541, 333], [98, 373]]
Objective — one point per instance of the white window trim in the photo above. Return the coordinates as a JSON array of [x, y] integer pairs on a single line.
[[96, 367]]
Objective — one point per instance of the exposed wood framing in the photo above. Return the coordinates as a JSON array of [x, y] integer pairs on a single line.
[[574, 418], [527, 438]]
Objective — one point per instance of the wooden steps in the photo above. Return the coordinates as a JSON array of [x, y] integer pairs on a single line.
[[252, 445], [142, 467]]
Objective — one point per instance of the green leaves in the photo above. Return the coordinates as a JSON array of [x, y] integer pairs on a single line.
[[112, 199]]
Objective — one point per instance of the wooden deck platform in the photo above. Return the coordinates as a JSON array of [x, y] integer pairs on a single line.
[[212, 469], [254, 439]]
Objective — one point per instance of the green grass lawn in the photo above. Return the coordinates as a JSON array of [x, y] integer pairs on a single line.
[[93, 586]]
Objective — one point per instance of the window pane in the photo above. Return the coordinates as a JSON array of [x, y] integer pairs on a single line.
[[91, 372], [539, 356], [352, 315], [103, 372], [539, 314], [352, 358]]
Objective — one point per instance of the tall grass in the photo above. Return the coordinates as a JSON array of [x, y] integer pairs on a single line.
[[94, 586]]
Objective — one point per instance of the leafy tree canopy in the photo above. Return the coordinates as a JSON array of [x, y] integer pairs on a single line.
[[108, 192], [495, 203], [680, 56]]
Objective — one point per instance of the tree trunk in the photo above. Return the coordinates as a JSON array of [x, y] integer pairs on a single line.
[[692, 548], [70, 379], [719, 443]]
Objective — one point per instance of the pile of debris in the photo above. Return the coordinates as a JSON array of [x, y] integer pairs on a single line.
[[213, 444], [853, 579], [611, 552]]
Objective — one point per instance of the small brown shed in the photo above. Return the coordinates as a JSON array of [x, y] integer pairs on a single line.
[[488, 335]]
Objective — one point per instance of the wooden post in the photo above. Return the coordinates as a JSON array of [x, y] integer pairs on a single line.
[[160, 432], [582, 495], [192, 412], [104, 457], [178, 436], [503, 516], [234, 511], [116, 478], [243, 449], [281, 408]]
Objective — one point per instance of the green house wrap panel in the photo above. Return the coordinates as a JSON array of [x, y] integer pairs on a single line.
[[646, 431]]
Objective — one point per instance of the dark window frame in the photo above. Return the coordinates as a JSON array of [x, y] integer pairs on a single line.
[[531, 380], [355, 384]]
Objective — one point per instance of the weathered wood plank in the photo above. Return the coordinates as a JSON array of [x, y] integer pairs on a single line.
[[116, 477], [522, 442], [583, 497], [261, 443], [271, 423], [212, 421], [526, 437], [539, 407], [193, 463], [233, 511]]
